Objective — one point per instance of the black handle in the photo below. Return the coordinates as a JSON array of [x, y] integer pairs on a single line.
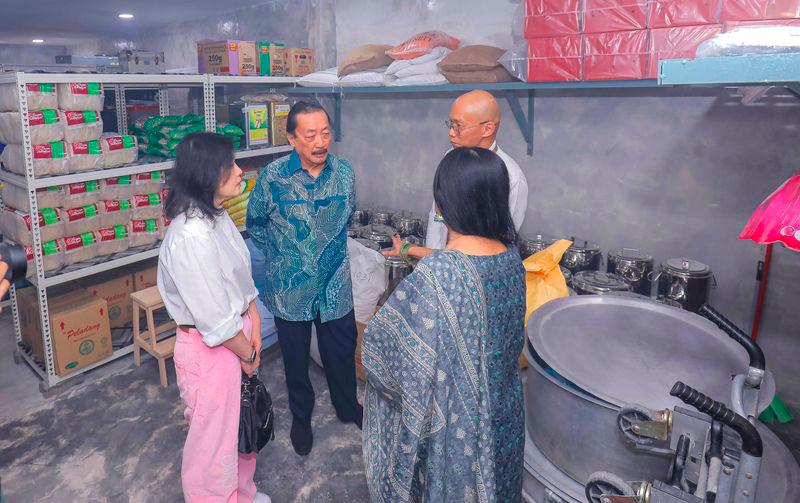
[[751, 440], [753, 350]]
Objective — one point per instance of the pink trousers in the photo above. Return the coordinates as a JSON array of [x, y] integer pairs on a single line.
[[209, 380]]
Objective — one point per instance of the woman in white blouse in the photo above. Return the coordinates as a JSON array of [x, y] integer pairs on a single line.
[[205, 279]]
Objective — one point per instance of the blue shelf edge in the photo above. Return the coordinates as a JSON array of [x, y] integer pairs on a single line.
[[751, 69]]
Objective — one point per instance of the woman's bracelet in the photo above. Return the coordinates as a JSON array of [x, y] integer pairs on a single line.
[[404, 250]]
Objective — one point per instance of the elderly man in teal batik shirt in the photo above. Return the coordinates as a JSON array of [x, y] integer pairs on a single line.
[[298, 216]]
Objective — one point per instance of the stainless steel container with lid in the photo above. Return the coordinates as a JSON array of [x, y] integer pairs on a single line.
[[582, 256], [355, 231], [528, 247], [381, 217], [407, 225], [598, 283], [685, 281], [360, 217], [380, 234], [634, 267], [567, 275], [396, 270]]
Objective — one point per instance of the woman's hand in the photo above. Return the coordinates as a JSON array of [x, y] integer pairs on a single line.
[[397, 244], [250, 368]]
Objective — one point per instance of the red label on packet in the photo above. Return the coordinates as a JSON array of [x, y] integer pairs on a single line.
[[86, 148], [79, 241], [54, 150], [119, 142], [82, 188], [112, 233], [88, 211], [119, 180], [84, 88], [78, 118], [144, 225], [112, 206]]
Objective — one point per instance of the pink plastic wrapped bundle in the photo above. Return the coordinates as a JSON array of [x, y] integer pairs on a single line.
[[120, 187], [777, 219], [119, 150], [669, 13], [146, 206], [553, 18], [82, 193], [84, 156], [80, 248], [79, 96], [144, 232], [754, 10], [45, 125], [52, 256], [112, 240], [620, 55], [147, 183], [46, 197], [48, 159], [82, 126], [116, 212], [83, 219], [40, 96], [677, 43], [614, 15], [16, 225], [423, 43]]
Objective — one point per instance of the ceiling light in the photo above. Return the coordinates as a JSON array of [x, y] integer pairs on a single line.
[[37, 41], [126, 16]]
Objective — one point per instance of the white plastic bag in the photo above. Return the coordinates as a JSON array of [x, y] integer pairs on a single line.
[[752, 40], [83, 219], [118, 187], [368, 274], [79, 96], [45, 125], [143, 232], [369, 78], [48, 159], [40, 96], [84, 156], [81, 193], [119, 150], [146, 206], [322, 78], [115, 212], [80, 248], [16, 225], [82, 126], [52, 257], [47, 197], [112, 240], [148, 183]]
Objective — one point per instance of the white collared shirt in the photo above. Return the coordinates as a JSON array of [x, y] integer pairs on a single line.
[[205, 277], [436, 236]]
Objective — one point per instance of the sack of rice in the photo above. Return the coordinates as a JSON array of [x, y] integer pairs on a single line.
[[40, 96], [120, 187], [119, 150], [80, 248], [16, 225], [82, 193], [147, 183], [84, 156], [82, 126], [115, 212], [112, 240], [146, 206], [52, 257], [46, 197], [79, 96], [48, 159], [143, 232], [83, 219], [45, 125]]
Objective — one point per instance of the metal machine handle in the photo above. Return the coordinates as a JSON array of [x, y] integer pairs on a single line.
[[751, 440], [754, 351]]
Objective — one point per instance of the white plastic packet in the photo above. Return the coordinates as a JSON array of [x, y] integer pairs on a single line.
[[115, 212], [79, 96], [40, 96], [48, 159], [80, 248], [752, 40], [148, 183], [119, 187], [45, 125], [119, 150], [84, 156], [16, 225], [52, 257], [144, 232], [81, 193], [46, 197], [83, 219], [146, 206], [112, 240], [82, 126]]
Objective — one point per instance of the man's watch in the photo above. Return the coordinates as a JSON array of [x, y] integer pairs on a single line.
[[253, 355]]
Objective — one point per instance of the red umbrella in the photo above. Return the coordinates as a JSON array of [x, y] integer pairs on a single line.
[[776, 220]]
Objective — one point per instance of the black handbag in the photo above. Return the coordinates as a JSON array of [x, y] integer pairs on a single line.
[[256, 419]]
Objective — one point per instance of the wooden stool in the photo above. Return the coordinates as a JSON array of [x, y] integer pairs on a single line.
[[149, 300]]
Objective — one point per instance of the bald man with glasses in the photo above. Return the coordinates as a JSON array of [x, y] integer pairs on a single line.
[[474, 121]]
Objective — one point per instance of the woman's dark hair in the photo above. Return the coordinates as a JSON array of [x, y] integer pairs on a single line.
[[471, 190], [303, 107], [202, 162]]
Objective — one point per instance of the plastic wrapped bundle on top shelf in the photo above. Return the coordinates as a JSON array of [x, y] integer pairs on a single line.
[[80, 248], [670, 13], [82, 126], [45, 126], [620, 55], [112, 240], [554, 59], [48, 159], [754, 10], [52, 257], [16, 225], [79, 96], [119, 150], [423, 43], [677, 43], [40, 97], [602, 16], [752, 40], [552, 18], [84, 156], [47, 197]]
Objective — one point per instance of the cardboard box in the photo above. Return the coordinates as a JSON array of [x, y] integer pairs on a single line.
[[271, 59], [236, 57], [278, 115], [619, 55], [669, 13], [755, 10], [299, 62], [116, 291], [553, 18], [145, 278], [253, 118], [614, 15], [677, 43], [555, 59]]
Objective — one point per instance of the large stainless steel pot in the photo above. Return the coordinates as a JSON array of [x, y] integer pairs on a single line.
[[598, 283], [396, 270], [380, 234], [381, 217], [407, 225], [685, 281], [360, 217], [582, 256], [528, 247], [633, 266]]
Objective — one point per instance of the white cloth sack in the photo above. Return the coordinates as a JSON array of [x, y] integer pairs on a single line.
[[321, 78], [370, 78], [436, 55], [417, 80]]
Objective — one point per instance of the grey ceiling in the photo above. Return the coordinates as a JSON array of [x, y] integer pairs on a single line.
[[67, 21]]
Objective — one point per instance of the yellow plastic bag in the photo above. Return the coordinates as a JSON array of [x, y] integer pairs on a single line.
[[543, 277]]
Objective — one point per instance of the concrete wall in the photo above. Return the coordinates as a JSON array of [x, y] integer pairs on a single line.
[[23, 54]]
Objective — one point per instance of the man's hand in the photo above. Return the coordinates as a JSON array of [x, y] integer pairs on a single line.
[[4, 284], [397, 243]]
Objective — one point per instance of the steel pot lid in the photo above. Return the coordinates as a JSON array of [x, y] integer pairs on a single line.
[[686, 267], [630, 351], [581, 246], [372, 245], [630, 255], [599, 282], [378, 231]]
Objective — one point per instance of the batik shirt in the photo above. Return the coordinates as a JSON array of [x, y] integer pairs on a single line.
[[300, 224]]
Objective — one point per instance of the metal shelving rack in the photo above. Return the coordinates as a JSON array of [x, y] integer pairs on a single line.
[[29, 182]]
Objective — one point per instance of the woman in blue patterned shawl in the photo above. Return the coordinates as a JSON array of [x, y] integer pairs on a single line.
[[443, 414]]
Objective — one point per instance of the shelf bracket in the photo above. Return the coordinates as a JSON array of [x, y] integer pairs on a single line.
[[794, 88], [525, 123]]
